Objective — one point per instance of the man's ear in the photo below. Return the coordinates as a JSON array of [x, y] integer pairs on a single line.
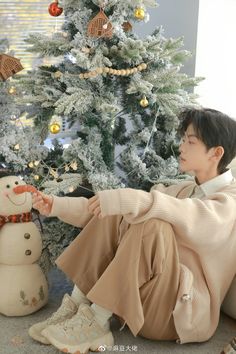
[[218, 152]]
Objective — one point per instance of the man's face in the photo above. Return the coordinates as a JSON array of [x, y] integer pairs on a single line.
[[193, 153]]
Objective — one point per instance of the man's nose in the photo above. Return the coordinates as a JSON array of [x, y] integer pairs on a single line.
[[181, 147]]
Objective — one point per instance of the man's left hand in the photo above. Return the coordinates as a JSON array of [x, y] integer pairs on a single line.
[[94, 206]]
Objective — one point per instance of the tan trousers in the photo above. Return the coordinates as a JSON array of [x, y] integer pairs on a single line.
[[131, 270]]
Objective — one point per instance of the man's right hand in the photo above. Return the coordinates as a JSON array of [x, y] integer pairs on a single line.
[[42, 203]]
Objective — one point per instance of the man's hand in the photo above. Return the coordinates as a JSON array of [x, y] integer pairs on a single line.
[[42, 203], [94, 206]]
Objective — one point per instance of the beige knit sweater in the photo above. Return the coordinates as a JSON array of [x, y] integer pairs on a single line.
[[205, 231]]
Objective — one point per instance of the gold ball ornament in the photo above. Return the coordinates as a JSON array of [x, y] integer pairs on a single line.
[[31, 164], [144, 102], [17, 147], [86, 50], [74, 165], [12, 90], [36, 177], [54, 128], [139, 13], [57, 74]]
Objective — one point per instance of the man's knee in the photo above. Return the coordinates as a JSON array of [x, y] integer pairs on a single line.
[[157, 226]]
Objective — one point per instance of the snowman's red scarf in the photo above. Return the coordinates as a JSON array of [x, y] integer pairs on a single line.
[[24, 217]]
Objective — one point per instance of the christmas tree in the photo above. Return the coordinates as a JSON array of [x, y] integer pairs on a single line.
[[114, 90], [120, 97], [17, 143]]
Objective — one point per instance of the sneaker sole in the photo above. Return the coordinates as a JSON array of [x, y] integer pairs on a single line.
[[38, 337], [106, 340]]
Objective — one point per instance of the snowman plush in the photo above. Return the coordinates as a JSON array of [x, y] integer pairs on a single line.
[[24, 288]]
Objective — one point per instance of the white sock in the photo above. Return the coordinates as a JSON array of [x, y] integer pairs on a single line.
[[79, 297], [101, 314]]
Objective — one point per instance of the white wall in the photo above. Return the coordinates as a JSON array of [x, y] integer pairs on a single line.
[[178, 18], [216, 55]]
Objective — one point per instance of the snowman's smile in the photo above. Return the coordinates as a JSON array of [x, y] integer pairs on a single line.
[[19, 203]]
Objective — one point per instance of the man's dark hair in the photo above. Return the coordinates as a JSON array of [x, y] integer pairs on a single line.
[[214, 129]]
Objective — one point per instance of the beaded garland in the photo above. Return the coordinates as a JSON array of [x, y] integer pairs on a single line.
[[106, 70]]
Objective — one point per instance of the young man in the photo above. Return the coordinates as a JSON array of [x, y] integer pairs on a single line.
[[162, 261]]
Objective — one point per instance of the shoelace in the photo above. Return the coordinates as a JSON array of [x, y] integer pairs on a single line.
[[61, 312], [78, 320]]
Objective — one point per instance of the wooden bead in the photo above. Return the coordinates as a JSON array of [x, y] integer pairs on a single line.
[[93, 73], [144, 66], [99, 70]]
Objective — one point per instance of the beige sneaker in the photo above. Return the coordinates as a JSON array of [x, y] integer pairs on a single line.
[[80, 334], [67, 310]]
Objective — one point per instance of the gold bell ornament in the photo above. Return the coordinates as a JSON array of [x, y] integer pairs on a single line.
[[144, 102]]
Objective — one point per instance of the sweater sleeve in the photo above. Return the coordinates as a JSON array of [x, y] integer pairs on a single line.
[[72, 210], [193, 219]]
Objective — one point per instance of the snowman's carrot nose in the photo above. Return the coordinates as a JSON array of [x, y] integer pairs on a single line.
[[25, 188]]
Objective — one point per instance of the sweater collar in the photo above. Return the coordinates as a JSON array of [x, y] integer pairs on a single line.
[[216, 183]]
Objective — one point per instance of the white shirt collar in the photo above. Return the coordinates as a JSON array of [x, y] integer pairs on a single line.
[[216, 183]]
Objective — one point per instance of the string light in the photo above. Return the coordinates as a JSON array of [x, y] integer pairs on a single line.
[[50, 171]]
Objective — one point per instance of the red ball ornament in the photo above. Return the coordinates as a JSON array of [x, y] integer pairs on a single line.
[[54, 9]]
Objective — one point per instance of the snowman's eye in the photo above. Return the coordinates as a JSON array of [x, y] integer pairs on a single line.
[[8, 186], [16, 182]]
